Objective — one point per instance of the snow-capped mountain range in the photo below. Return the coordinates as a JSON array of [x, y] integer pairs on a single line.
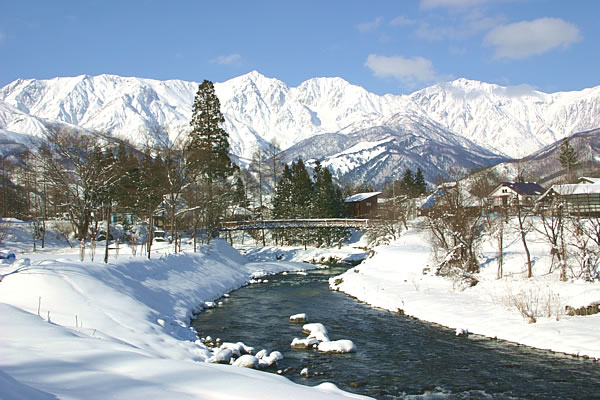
[[486, 120]]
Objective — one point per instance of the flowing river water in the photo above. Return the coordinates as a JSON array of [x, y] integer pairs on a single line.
[[396, 357]]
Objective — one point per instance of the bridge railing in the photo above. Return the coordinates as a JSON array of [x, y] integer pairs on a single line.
[[294, 223]]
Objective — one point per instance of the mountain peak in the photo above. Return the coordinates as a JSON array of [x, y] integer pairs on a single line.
[[514, 120]]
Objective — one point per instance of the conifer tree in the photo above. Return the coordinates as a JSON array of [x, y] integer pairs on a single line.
[[208, 154], [407, 185], [327, 202], [128, 168], [208, 141], [302, 188], [420, 185], [568, 156]]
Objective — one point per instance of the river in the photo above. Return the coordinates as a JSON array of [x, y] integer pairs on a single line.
[[396, 357]]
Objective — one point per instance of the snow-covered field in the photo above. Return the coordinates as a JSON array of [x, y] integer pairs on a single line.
[[74, 330], [89, 330], [394, 279]]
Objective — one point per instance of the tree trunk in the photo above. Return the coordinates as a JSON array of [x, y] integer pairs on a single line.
[[563, 251], [524, 240], [150, 231], [174, 227], [500, 250], [107, 234], [195, 229]]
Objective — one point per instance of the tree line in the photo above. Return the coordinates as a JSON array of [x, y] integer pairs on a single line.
[[461, 218], [191, 182]]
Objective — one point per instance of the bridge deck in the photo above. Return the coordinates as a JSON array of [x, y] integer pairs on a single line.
[[294, 223]]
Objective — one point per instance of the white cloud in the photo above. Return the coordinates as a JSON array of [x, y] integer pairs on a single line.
[[529, 38], [407, 70], [227, 60], [428, 4], [401, 20], [469, 25], [370, 26]]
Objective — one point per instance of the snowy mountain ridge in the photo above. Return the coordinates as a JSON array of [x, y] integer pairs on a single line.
[[513, 121], [377, 154]]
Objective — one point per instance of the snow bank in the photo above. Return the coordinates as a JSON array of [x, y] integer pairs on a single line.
[[396, 278], [74, 329]]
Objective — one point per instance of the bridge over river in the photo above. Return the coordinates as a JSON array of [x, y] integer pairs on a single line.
[[296, 223]]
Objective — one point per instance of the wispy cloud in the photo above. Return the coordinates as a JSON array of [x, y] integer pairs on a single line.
[[401, 20], [407, 70], [227, 60], [530, 38], [428, 4], [466, 26], [370, 26]]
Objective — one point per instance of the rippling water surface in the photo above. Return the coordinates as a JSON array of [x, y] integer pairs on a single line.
[[397, 357]]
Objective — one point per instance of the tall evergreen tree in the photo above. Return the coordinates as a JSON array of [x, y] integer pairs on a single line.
[[208, 141], [128, 168], [568, 156], [208, 154], [420, 185], [407, 184], [302, 188], [282, 202], [327, 201]]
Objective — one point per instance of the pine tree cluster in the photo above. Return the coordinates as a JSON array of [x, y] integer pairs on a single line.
[[299, 196], [411, 185]]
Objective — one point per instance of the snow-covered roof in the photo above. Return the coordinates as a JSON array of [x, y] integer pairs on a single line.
[[572, 189], [360, 197], [588, 179]]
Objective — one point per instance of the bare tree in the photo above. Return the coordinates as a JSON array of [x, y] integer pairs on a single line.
[[258, 167], [586, 231], [70, 161], [553, 229], [178, 178], [524, 226], [456, 227], [274, 157]]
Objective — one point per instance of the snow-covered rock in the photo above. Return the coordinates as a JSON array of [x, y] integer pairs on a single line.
[[267, 361], [247, 361], [337, 346], [298, 318], [261, 353], [304, 343], [317, 331], [238, 348], [223, 356]]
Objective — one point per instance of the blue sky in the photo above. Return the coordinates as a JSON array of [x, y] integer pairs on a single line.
[[386, 46]]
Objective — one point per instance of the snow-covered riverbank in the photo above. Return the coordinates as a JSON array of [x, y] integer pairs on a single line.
[[397, 278], [75, 330]]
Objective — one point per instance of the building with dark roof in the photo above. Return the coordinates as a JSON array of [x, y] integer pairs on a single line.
[[508, 192], [362, 205]]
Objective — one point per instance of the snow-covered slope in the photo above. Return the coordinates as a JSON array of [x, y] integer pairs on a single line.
[[515, 121], [380, 153], [507, 120]]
